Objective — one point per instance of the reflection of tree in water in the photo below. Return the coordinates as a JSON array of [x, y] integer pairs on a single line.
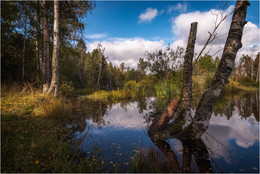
[[248, 105], [82, 109]]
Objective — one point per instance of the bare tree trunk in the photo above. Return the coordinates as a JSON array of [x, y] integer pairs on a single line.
[[187, 69], [45, 49], [38, 48], [233, 44], [24, 42], [203, 113], [161, 121], [55, 57], [99, 74]]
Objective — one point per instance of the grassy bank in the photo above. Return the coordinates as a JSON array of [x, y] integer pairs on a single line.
[[131, 90], [167, 89], [34, 136]]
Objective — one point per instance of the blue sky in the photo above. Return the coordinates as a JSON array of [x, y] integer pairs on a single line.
[[113, 23]]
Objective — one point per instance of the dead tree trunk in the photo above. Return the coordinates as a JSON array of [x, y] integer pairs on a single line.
[[233, 44], [160, 122], [55, 57], [45, 49]]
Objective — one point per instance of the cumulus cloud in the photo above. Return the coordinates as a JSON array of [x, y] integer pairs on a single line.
[[97, 36], [180, 7], [206, 23], [148, 15], [127, 50]]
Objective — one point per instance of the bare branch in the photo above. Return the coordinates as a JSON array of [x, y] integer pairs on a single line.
[[213, 34]]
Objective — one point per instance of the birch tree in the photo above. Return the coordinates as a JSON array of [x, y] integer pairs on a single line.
[[45, 48], [185, 127], [55, 57]]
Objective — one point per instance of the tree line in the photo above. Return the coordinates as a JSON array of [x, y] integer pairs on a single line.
[[28, 38]]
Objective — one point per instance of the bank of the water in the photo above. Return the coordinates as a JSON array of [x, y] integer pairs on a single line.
[[35, 137]]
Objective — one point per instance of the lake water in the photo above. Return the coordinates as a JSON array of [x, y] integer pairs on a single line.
[[117, 132]]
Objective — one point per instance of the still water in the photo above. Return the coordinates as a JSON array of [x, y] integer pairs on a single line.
[[117, 133]]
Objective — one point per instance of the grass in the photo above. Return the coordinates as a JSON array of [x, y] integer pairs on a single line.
[[237, 86], [131, 90], [34, 136], [149, 162]]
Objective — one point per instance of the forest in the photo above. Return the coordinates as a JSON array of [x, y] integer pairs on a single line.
[[51, 84]]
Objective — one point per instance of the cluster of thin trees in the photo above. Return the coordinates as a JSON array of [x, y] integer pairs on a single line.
[[33, 30]]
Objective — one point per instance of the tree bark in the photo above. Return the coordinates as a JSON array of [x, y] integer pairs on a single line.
[[55, 57], [161, 122], [46, 74], [203, 113], [38, 48], [233, 44], [24, 42]]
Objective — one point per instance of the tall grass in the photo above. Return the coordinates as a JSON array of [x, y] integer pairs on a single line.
[[131, 90], [34, 137]]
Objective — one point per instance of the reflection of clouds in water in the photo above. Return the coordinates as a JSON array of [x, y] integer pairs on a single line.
[[126, 116], [243, 131]]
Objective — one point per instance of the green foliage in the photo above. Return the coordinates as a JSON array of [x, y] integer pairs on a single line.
[[248, 81], [131, 87], [131, 90], [206, 64], [167, 89], [66, 87], [162, 63]]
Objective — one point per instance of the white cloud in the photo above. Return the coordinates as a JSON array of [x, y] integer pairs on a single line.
[[206, 23], [97, 36], [148, 15], [180, 7], [127, 50]]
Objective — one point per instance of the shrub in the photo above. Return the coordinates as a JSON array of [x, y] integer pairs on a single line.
[[66, 87], [167, 89], [248, 81]]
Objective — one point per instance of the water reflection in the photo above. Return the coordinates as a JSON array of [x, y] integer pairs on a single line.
[[230, 143]]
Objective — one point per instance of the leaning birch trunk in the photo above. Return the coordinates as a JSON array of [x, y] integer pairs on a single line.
[[233, 44], [55, 57], [45, 49], [160, 122]]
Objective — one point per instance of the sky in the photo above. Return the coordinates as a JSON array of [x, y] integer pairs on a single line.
[[127, 29]]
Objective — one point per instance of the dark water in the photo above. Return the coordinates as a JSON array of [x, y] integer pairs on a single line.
[[118, 132]]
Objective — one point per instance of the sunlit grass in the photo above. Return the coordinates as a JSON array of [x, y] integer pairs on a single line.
[[34, 137], [131, 90], [236, 86]]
